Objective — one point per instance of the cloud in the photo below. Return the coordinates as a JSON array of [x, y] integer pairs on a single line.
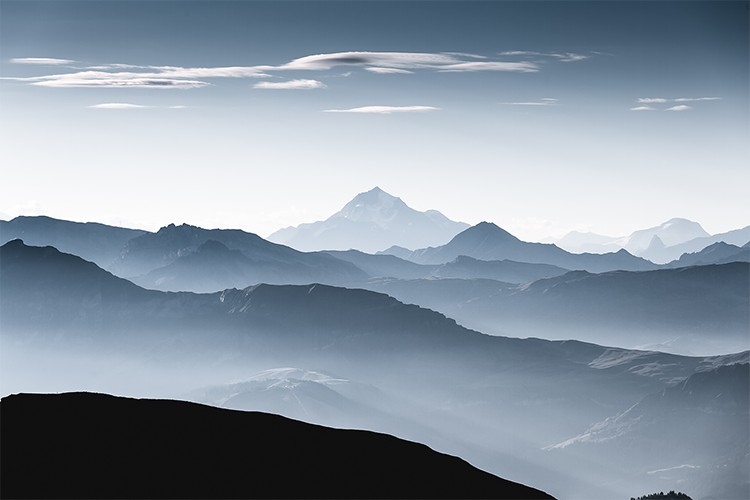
[[643, 108], [652, 100], [384, 110], [389, 71], [655, 100], [117, 105], [693, 99], [177, 107], [545, 101], [118, 75], [290, 85], [94, 79], [524, 67], [452, 62], [46, 61], [560, 56], [679, 107]]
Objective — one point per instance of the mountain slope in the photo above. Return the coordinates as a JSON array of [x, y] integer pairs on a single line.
[[718, 253], [372, 221], [178, 256], [486, 241], [706, 462], [737, 237], [98, 446], [692, 309], [98, 243]]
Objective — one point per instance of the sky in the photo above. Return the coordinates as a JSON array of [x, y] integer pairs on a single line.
[[543, 117]]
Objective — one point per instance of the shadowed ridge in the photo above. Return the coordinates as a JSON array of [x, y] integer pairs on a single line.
[[87, 445]]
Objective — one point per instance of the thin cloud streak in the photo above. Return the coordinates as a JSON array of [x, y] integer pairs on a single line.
[[384, 110], [291, 85], [46, 61], [545, 101], [560, 56], [389, 71], [118, 105], [643, 108]]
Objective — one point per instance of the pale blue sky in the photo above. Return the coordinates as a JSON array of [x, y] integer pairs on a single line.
[[518, 113]]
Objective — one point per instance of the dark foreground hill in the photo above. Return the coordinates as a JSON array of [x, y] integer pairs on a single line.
[[84, 445]]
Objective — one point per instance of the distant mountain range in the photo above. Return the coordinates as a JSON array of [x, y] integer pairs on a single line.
[[660, 244], [692, 309], [83, 445], [487, 241], [65, 319], [372, 221]]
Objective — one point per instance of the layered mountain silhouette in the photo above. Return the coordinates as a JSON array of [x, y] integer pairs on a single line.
[[717, 253], [487, 241], [705, 462], [702, 308], [666, 254], [672, 232], [189, 257], [60, 314], [98, 243], [370, 222], [389, 266], [82, 445]]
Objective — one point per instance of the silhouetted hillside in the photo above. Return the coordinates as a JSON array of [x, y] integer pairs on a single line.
[[98, 243], [177, 256], [83, 445]]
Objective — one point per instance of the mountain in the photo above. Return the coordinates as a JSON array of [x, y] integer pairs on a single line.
[[718, 253], [486, 241], [82, 445], [383, 265], [704, 463], [496, 401], [672, 232], [737, 237], [694, 309], [372, 221], [508, 271], [189, 257], [98, 243], [580, 242]]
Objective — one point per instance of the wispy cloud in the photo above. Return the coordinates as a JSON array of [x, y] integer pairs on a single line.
[[120, 75], [693, 99], [560, 56], [545, 101], [118, 105], [290, 85], [384, 110], [668, 101], [444, 61], [389, 71], [45, 61], [658, 100]]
